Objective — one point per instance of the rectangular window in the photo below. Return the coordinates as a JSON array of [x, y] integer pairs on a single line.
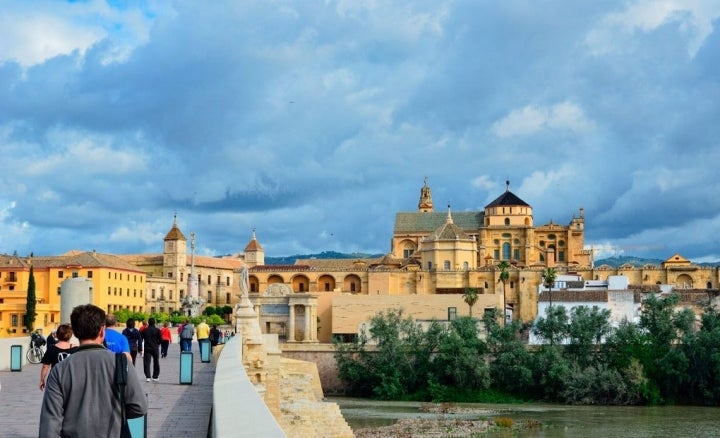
[[209, 279], [561, 256], [152, 294], [516, 254], [429, 266], [169, 274], [182, 293], [59, 290], [227, 281], [182, 276], [227, 298], [89, 274], [14, 320], [496, 254], [209, 297], [171, 295], [75, 274], [60, 274], [407, 253], [109, 290], [452, 313], [446, 265]]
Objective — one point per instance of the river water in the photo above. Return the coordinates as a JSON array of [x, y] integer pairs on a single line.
[[556, 420]]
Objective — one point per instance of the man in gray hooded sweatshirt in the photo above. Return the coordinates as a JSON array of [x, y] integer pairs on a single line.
[[81, 398]]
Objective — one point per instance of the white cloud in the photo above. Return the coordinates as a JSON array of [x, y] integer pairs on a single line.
[[539, 183], [531, 119], [694, 19], [483, 182], [14, 234], [87, 154], [34, 32]]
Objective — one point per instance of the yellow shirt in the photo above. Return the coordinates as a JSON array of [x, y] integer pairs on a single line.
[[203, 331]]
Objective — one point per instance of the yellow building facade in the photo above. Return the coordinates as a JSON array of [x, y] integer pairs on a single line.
[[116, 285]]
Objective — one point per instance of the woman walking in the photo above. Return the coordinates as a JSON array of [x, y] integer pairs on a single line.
[[165, 339], [57, 352]]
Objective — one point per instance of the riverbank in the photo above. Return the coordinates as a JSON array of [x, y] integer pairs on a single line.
[[376, 418], [447, 419]]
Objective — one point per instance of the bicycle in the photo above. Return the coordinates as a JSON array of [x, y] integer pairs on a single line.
[[36, 352]]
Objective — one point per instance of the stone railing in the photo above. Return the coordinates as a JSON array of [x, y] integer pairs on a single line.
[[237, 406]]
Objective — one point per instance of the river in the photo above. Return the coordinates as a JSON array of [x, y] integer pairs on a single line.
[[556, 420]]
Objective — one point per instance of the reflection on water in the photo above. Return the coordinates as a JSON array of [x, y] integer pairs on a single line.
[[557, 420]]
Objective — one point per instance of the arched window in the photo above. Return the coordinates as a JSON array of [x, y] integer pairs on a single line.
[[507, 221], [506, 251]]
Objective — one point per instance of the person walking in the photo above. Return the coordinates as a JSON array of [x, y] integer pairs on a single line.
[[79, 398], [203, 334], [186, 336], [57, 351], [165, 339], [114, 340], [133, 337], [215, 336], [152, 340]]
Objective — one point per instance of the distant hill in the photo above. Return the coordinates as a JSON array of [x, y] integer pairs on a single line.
[[618, 261], [614, 262], [639, 262], [290, 260]]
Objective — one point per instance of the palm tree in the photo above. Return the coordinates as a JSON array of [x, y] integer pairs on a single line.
[[549, 275], [504, 277], [470, 297]]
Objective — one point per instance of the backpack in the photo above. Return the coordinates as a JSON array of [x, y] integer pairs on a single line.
[[188, 331]]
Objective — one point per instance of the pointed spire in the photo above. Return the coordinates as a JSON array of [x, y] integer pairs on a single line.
[[507, 185], [449, 216]]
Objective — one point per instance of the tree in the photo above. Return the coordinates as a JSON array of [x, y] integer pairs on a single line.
[[553, 328], [30, 313], [459, 367], [588, 326], [549, 275], [470, 297], [509, 361], [504, 277], [227, 310], [399, 363]]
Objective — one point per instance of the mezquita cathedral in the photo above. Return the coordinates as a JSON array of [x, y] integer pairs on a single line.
[[435, 256]]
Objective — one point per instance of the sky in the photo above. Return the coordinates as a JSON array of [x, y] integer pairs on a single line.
[[314, 122]]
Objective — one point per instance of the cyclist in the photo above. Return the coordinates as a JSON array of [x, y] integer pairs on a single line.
[[57, 352]]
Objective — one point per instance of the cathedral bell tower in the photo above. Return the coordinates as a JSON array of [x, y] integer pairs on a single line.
[[174, 252], [426, 204]]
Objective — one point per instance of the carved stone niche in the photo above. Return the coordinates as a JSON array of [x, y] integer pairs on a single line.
[[277, 290]]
